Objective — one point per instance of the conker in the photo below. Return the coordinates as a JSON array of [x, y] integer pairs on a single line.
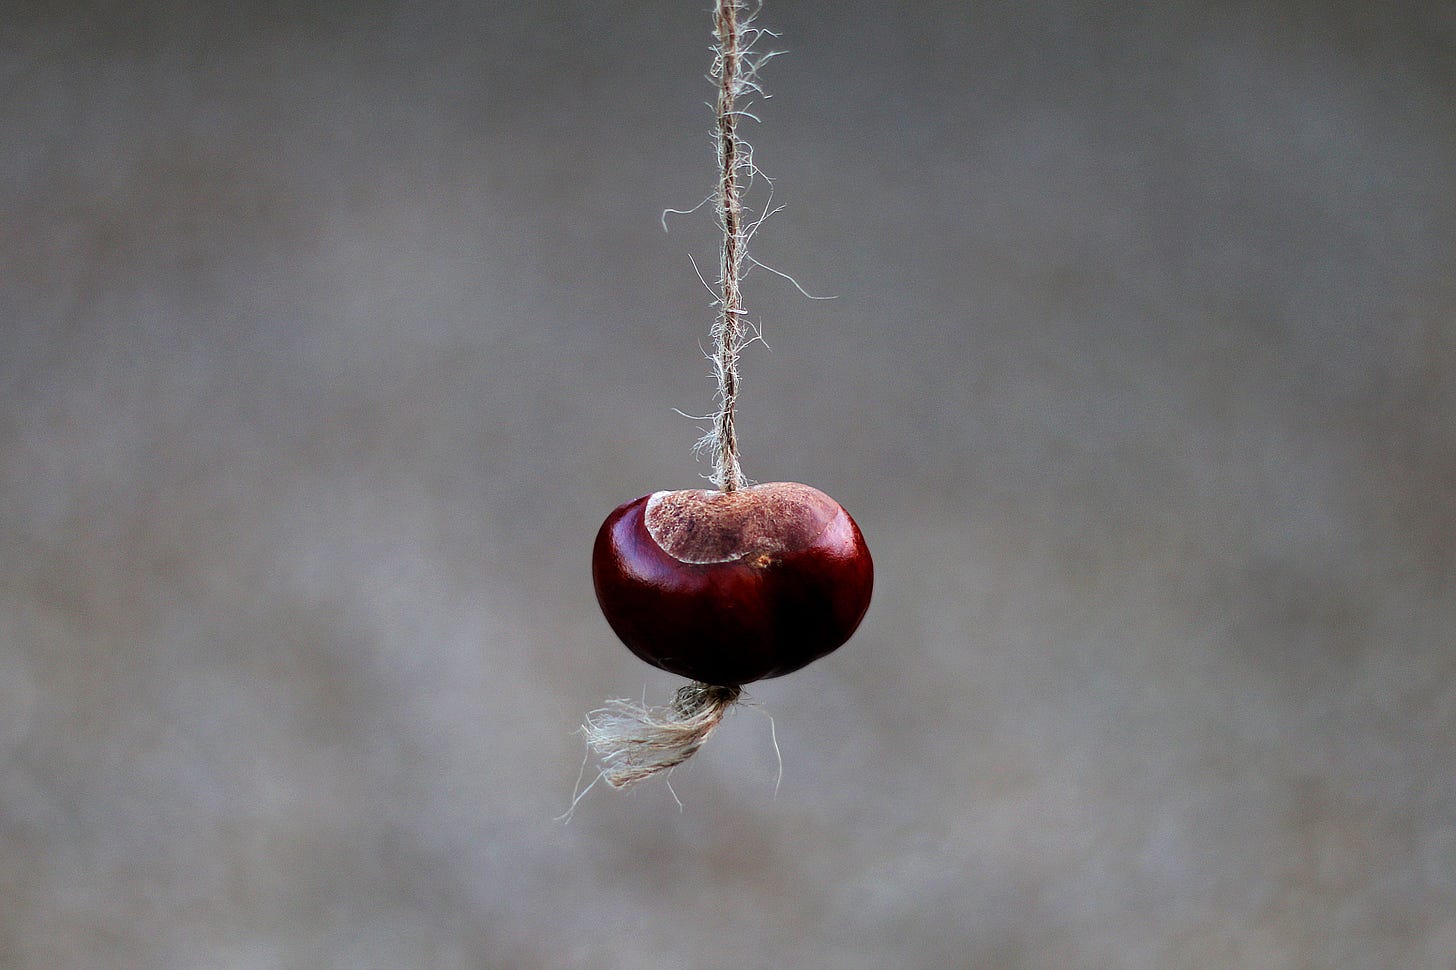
[[735, 586]]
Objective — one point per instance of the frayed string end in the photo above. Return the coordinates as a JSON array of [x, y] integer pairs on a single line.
[[636, 742]]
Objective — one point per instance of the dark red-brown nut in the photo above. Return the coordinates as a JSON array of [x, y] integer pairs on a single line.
[[732, 587]]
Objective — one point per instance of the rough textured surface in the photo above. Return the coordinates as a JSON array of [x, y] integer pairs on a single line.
[[705, 525], [331, 333]]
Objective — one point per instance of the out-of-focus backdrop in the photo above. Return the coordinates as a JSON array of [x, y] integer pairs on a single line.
[[332, 332]]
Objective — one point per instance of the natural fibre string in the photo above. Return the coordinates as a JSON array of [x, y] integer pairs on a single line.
[[728, 331], [636, 742], [633, 741]]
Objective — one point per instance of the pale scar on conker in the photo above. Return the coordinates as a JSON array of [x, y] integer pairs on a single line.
[[701, 525]]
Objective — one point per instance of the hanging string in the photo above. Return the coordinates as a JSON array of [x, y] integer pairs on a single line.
[[728, 330], [636, 742]]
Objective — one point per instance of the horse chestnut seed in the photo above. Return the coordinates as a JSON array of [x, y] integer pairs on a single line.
[[732, 587]]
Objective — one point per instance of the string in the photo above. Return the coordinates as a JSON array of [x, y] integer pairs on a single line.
[[728, 330], [636, 742]]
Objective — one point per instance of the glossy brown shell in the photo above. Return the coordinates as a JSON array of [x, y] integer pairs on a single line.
[[758, 582]]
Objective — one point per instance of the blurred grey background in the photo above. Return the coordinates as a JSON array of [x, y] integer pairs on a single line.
[[332, 332]]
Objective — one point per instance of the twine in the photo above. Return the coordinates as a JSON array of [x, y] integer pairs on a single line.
[[633, 741], [735, 70], [636, 742], [728, 330]]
